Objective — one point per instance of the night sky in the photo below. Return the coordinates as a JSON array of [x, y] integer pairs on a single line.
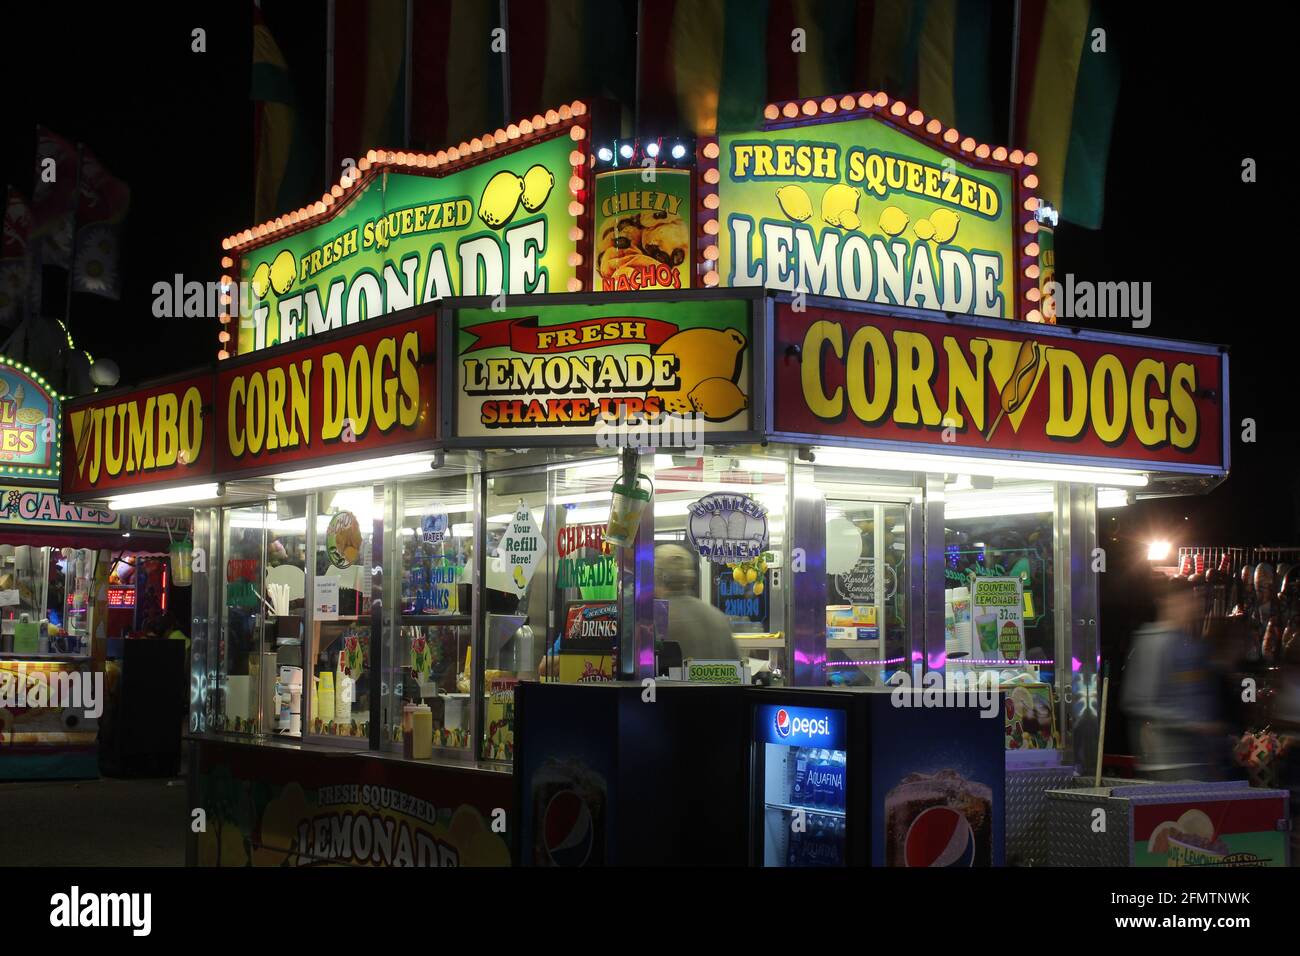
[[1196, 98]]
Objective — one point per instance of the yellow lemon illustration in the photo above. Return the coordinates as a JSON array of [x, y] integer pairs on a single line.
[[751, 575], [520, 580], [283, 272], [718, 399], [738, 575], [837, 200], [849, 219], [923, 228], [537, 186], [893, 220], [500, 199], [701, 354], [758, 589], [261, 280], [945, 223], [794, 202]]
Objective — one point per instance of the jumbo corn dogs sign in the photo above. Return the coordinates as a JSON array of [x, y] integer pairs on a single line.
[[499, 226], [854, 208], [990, 387]]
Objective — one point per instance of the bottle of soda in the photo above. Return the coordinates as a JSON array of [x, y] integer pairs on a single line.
[[799, 793]]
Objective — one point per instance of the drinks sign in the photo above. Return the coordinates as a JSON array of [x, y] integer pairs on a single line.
[[998, 609]]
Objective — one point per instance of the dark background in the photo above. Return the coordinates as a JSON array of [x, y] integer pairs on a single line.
[[1196, 97]]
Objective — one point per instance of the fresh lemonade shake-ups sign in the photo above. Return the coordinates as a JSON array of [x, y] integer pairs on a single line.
[[499, 226], [857, 209]]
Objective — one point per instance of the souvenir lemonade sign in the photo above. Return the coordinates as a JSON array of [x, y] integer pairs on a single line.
[[418, 228], [848, 198]]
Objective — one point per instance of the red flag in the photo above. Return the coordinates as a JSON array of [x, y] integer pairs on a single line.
[[101, 208], [54, 196], [13, 256]]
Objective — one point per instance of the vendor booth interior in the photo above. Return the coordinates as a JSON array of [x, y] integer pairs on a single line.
[[512, 412]]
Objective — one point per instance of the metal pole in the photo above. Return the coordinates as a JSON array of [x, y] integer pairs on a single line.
[[1015, 69], [406, 69], [329, 91], [72, 251], [505, 61]]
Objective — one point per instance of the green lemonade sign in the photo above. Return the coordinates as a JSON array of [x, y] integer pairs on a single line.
[[859, 210], [502, 225]]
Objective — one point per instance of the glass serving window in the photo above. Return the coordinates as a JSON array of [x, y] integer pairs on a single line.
[[730, 604], [427, 667], [342, 678]]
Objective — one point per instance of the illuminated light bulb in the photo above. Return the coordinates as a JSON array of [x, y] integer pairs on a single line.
[[575, 259], [223, 318], [951, 136], [711, 227], [226, 261], [711, 201], [915, 117], [828, 105], [809, 107], [1017, 156], [1031, 271], [1033, 295], [566, 114], [575, 234], [225, 244], [1031, 159], [1000, 154], [575, 208], [710, 150], [625, 150], [711, 176], [577, 133], [881, 99], [552, 117], [539, 121], [967, 144], [1034, 316], [453, 154], [371, 155], [464, 149], [899, 108], [575, 285], [526, 127], [711, 253], [319, 208], [512, 131], [225, 299], [579, 108], [381, 156], [934, 127], [790, 111], [248, 235], [605, 154], [1031, 227], [771, 111], [1031, 181], [363, 164], [476, 145], [223, 336], [576, 158], [1031, 203], [847, 102], [227, 280], [679, 150], [442, 156], [982, 151], [711, 277], [866, 101], [576, 184], [652, 150], [1031, 249]]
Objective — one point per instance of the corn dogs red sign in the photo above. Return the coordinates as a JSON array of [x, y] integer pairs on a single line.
[[991, 387], [148, 437]]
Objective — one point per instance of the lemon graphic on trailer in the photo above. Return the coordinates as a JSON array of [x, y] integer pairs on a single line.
[[923, 228], [945, 223], [283, 272], [261, 280], [893, 220], [500, 199], [794, 202], [849, 219], [701, 354], [717, 399], [838, 200], [537, 186]]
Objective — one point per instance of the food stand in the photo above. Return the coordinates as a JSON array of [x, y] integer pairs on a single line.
[[444, 385]]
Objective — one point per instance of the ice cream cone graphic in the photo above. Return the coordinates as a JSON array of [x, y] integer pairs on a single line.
[[1017, 389]]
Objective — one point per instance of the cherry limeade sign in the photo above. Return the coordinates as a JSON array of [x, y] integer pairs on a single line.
[[1011, 387]]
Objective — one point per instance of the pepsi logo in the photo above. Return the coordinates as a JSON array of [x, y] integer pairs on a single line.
[[782, 721], [939, 836], [567, 829]]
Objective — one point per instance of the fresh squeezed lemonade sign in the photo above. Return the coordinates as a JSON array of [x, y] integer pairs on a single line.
[[564, 370], [859, 210], [498, 226]]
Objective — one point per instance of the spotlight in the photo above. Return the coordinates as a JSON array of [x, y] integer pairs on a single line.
[[679, 150], [652, 150], [604, 154], [625, 150]]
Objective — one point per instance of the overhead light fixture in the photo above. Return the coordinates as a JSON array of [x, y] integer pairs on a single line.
[[604, 154], [1023, 470], [625, 150], [185, 494], [652, 150], [1159, 550], [355, 473], [679, 150]]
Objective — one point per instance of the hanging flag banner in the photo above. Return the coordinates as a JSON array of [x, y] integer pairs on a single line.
[[853, 206]]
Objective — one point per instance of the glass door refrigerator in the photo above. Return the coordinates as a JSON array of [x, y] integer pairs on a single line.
[[804, 779]]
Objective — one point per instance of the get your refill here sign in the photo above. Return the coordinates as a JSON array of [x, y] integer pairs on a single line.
[[975, 389]]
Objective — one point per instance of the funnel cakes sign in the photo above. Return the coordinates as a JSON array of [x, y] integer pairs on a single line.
[[974, 388]]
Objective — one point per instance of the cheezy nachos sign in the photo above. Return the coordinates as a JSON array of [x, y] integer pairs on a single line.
[[974, 387]]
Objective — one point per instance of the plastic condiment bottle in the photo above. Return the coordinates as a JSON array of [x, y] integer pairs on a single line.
[[408, 731], [421, 732]]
